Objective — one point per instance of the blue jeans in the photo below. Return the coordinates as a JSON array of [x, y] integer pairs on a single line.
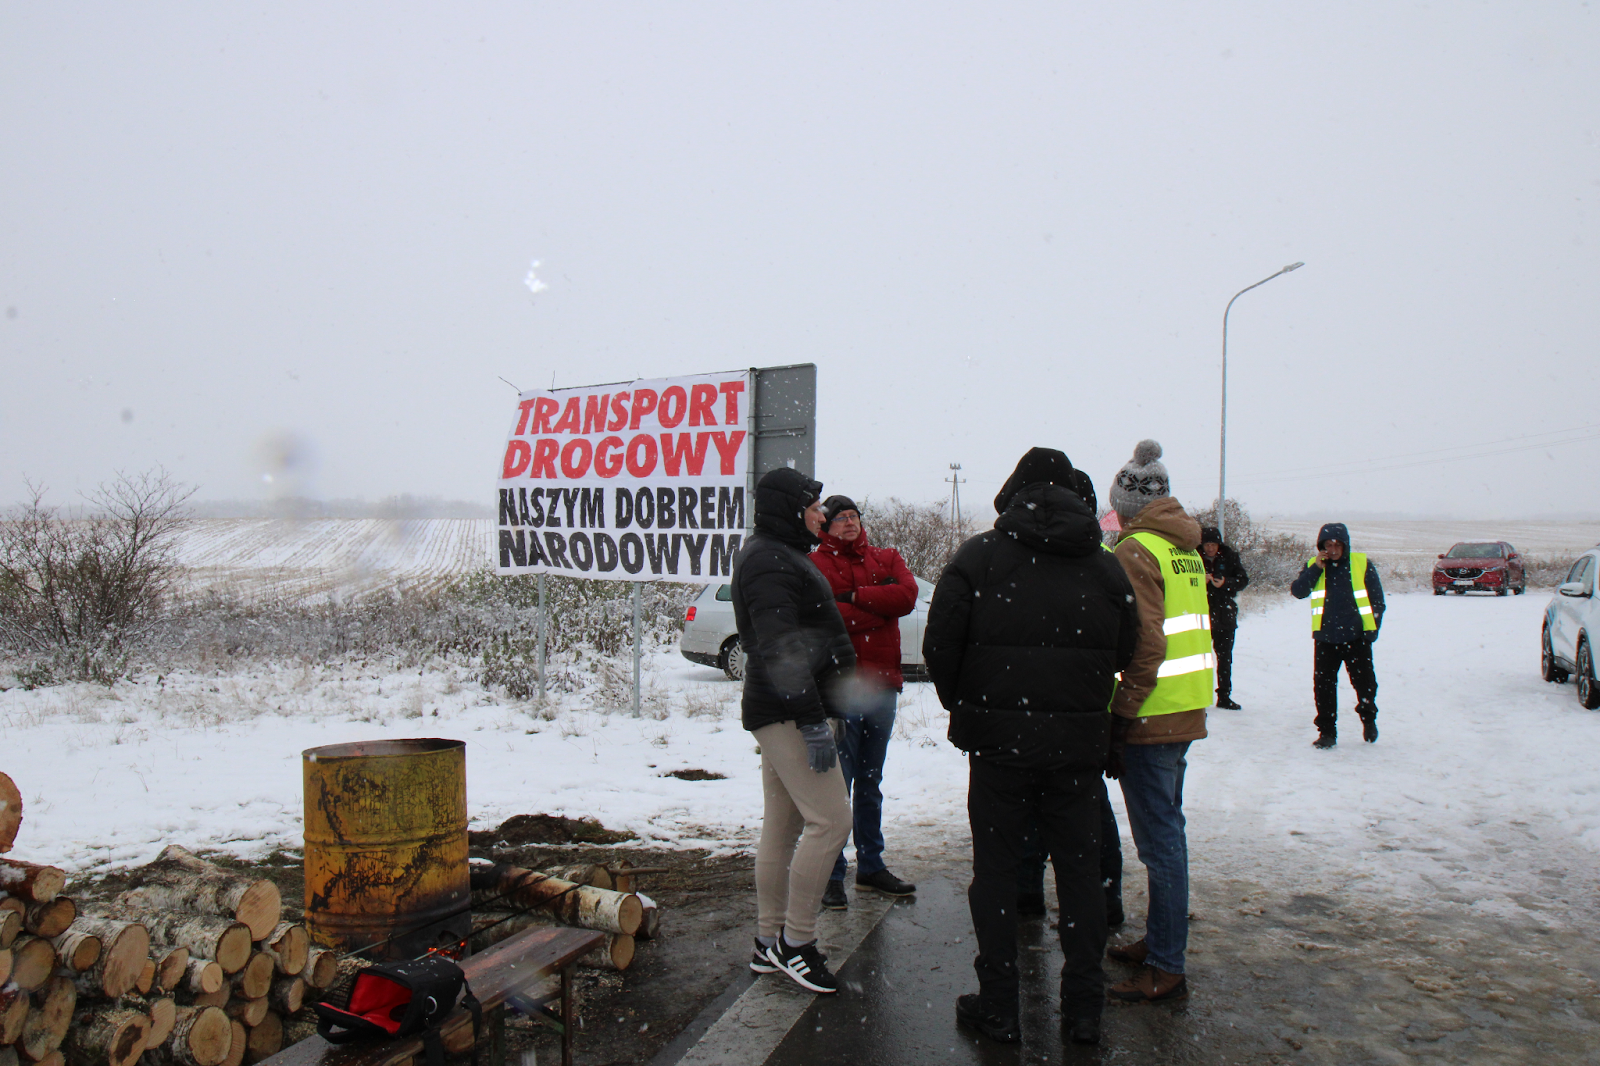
[[1152, 787], [862, 750]]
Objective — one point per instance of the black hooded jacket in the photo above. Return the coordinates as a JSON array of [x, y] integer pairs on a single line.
[[1224, 608], [1029, 625], [798, 652], [1341, 622]]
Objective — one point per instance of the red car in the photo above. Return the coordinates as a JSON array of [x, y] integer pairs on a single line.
[[1488, 566]]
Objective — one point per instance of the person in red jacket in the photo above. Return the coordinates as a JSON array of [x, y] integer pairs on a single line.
[[874, 590]]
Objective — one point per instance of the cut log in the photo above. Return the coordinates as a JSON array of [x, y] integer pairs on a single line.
[[202, 976], [50, 919], [33, 960], [288, 945], [124, 949], [181, 881], [206, 935], [255, 980], [77, 949], [322, 968], [171, 965], [591, 908], [615, 955], [582, 874], [147, 977], [649, 920], [10, 812], [55, 1058], [31, 883], [200, 1036], [10, 926], [5, 965], [238, 1042], [14, 1008], [49, 1020], [220, 998], [265, 1040], [248, 1011], [109, 1038], [162, 1011], [288, 994]]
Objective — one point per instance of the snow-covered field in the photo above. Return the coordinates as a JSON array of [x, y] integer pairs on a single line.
[[1484, 788]]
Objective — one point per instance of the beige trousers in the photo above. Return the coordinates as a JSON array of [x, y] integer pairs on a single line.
[[804, 823]]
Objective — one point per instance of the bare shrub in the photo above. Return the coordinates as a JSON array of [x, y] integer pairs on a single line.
[[922, 533], [79, 591]]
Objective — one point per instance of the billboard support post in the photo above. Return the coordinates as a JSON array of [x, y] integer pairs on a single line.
[[638, 600], [544, 628]]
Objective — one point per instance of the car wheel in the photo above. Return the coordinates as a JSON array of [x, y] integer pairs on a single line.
[[1522, 588], [733, 659], [1438, 592], [1588, 688], [1500, 592], [1547, 660], [1459, 592]]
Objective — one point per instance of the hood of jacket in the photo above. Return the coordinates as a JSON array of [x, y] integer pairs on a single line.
[[1166, 517], [1333, 531], [1039, 464], [782, 496], [1051, 518]]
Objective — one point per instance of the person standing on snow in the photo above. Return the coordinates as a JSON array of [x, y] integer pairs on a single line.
[[1158, 711], [1346, 615], [797, 670], [873, 590], [1225, 579], [1028, 627]]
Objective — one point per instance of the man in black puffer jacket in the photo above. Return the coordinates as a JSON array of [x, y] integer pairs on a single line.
[[1029, 625], [798, 667]]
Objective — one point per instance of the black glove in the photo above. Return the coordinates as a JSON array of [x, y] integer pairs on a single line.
[[1372, 637], [820, 750], [1120, 728], [847, 596]]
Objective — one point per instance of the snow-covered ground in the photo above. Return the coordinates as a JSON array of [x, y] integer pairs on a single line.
[[1485, 786]]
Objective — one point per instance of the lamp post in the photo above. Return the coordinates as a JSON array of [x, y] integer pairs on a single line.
[[1222, 474]]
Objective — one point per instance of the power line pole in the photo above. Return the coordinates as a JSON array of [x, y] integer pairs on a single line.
[[955, 479]]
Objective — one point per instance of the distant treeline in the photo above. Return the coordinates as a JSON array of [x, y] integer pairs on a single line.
[[406, 506]]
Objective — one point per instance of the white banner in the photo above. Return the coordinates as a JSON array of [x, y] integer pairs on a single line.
[[637, 481]]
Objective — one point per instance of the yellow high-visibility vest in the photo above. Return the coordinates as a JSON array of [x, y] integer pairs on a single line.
[[1358, 585], [1187, 676]]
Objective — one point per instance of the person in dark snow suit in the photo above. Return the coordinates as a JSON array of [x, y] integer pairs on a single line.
[[1028, 627], [1345, 621], [1225, 579], [799, 662]]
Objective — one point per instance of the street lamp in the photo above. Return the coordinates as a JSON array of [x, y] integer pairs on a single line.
[[1222, 475]]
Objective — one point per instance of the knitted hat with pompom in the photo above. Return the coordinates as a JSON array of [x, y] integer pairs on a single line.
[[1143, 479]]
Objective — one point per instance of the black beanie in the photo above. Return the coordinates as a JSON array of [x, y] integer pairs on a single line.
[[833, 505], [1040, 464]]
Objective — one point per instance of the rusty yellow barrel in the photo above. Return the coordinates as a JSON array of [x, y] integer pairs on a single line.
[[386, 845]]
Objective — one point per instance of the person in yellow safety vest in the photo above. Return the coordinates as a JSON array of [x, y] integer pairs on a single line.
[[1346, 615], [1158, 710]]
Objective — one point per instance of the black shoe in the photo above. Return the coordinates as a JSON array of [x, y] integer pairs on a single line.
[[887, 883], [1084, 1030], [833, 897], [805, 964], [1369, 723], [759, 963], [1227, 704], [1030, 905], [1326, 740], [1001, 1028]]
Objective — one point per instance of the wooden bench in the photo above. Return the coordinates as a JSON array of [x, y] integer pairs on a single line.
[[509, 968]]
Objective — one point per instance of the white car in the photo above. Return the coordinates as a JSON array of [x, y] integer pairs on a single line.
[[711, 639], [1571, 626]]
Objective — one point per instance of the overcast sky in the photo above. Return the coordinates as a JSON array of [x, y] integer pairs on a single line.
[[291, 242]]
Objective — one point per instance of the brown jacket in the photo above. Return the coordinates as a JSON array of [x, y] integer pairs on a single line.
[[1167, 519]]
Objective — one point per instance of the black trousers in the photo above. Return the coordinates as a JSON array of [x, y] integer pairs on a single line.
[[1223, 628], [1066, 805], [1356, 657], [1030, 869]]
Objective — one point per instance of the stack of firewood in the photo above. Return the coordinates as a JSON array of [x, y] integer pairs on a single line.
[[192, 966], [509, 899]]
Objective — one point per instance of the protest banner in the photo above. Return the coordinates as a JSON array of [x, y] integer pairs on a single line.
[[644, 480]]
